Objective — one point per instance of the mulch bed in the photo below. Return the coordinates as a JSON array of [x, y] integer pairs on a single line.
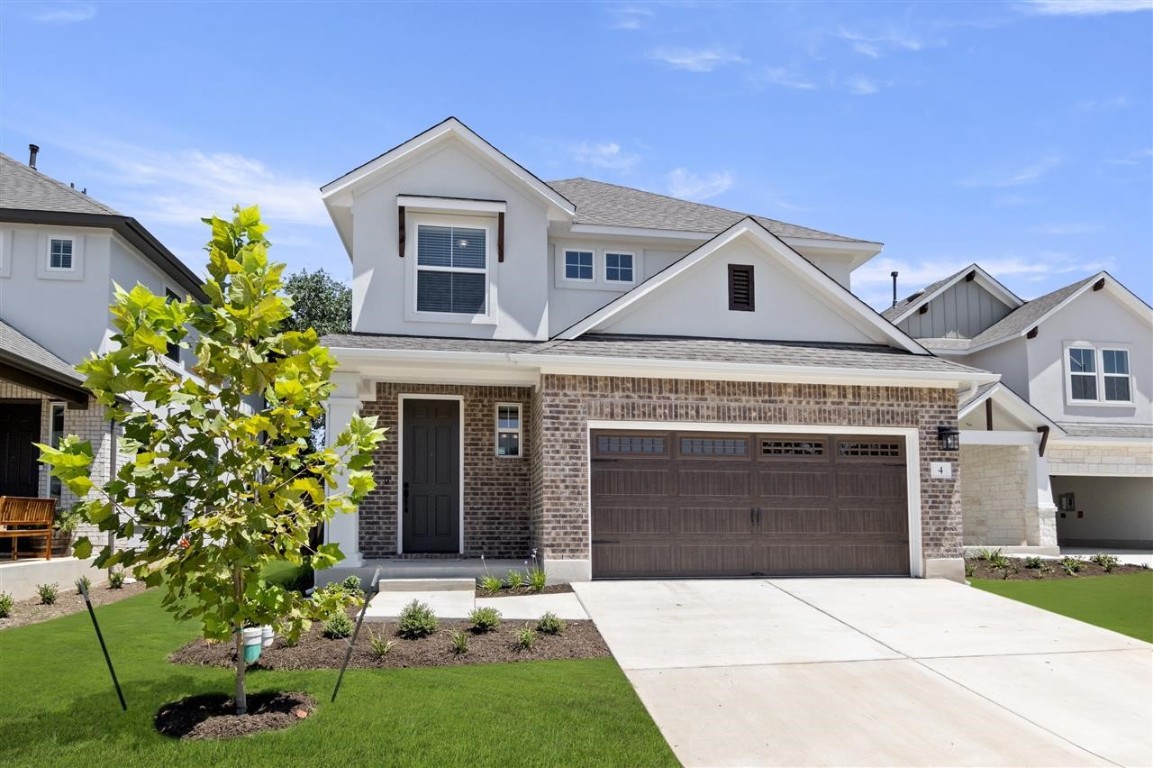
[[580, 640], [213, 715], [31, 611], [1016, 570], [550, 589]]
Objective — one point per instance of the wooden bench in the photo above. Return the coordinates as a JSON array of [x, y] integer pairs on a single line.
[[20, 516]]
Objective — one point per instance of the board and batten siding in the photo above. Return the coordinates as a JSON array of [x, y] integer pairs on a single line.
[[962, 311]]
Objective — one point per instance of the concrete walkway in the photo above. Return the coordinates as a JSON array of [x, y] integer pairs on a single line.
[[874, 672]]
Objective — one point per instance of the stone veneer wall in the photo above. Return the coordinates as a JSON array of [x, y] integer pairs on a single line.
[[564, 404], [993, 495], [496, 489], [1067, 458]]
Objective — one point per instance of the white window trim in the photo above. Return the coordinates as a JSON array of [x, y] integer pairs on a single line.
[[519, 431], [598, 282], [71, 254], [52, 441], [605, 267], [563, 274], [1098, 349], [412, 269]]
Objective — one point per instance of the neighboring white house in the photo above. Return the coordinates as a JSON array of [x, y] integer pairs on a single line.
[[61, 252], [1061, 451], [626, 383]]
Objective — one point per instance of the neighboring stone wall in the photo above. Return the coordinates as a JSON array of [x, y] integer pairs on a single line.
[[1067, 458], [994, 495], [566, 403], [497, 491]]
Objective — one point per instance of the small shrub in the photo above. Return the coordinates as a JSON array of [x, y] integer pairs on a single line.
[[969, 569], [514, 579], [5, 605], [459, 642], [116, 579], [1034, 562], [484, 619], [1108, 562], [987, 554], [352, 585], [86, 582], [490, 584], [1071, 565], [549, 624], [537, 579], [338, 626], [380, 645], [47, 592], [998, 560], [525, 638], [416, 620]]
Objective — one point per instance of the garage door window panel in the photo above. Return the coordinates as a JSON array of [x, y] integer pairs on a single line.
[[713, 447], [646, 446], [793, 448]]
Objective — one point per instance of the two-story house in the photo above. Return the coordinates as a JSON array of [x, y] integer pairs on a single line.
[[61, 253], [1060, 452], [627, 383]]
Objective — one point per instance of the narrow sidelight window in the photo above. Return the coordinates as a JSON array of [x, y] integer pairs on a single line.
[[55, 434], [508, 429], [741, 288]]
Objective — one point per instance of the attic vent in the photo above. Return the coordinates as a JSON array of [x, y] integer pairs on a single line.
[[741, 287]]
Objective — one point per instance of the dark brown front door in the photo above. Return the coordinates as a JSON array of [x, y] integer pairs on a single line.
[[431, 492], [694, 504], [19, 429]]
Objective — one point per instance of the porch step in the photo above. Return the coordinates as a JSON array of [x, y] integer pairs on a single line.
[[426, 585]]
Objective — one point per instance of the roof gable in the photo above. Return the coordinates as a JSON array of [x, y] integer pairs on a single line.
[[972, 273], [1009, 411], [827, 308]]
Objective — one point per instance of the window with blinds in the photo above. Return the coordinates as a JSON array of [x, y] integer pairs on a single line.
[[451, 270]]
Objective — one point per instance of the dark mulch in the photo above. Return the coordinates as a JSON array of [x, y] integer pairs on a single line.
[[1015, 569], [31, 611], [580, 640], [213, 715], [506, 591]]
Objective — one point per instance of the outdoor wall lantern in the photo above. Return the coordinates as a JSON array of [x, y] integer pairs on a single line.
[[948, 438]]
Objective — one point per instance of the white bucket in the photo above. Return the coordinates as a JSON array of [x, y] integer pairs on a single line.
[[267, 635], [253, 639]]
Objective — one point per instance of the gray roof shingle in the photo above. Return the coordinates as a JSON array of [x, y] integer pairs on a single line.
[[425, 343], [1114, 431], [603, 204], [24, 188], [1023, 318], [15, 344]]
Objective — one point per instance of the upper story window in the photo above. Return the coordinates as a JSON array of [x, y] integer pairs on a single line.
[[452, 270], [60, 253], [173, 351], [578, 265], [618, 267], [1098, 374]]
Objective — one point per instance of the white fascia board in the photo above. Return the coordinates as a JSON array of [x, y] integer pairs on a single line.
[[452, 204], [999, 437], [983, 278], [1018, 408]]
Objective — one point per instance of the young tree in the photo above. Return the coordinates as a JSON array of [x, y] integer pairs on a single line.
[[215, 488], [319, 302]]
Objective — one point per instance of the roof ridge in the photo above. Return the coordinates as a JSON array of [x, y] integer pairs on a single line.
[[656, 194]]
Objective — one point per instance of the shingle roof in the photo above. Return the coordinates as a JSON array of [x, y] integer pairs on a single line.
[[603, 204], [24, 188], [734, 351], [895, 311], [978, 395], [15, 344], [1113, 431]]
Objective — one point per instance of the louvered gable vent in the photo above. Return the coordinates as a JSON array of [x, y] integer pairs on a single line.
[[741, 287]]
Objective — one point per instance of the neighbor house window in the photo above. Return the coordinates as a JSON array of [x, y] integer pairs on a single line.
[[451, 270], [619, 267], [578, 265], [1098, 375], [55, 434], [508, 429], [60, 253], [173, 351]]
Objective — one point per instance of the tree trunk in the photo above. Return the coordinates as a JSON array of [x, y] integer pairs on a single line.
[[241, 694]]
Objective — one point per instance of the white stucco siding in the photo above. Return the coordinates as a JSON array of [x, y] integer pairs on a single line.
[[1096, 318], [1008, 359], [1107, 511], [127, 268], [519, 285], [696, 303], [839, 268]]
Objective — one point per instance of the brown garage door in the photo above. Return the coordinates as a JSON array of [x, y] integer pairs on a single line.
[[696, 504]]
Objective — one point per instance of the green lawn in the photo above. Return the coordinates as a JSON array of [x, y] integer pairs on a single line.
[[1122, 603], [58, 706]]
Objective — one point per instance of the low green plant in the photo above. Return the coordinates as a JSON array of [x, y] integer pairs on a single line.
[[490, 584], [537, 579], [969, 569], [484, 619], [987, 554], [116, 579], [348, 590], [416, 620], [550, 624], [1108, 562], [998, 560], [1034, 562], [380, 644], [459, 642], [47, 592], [525, 638], [1071, 565], [86, 582], [514, 579], [338, 626], [6, 602]]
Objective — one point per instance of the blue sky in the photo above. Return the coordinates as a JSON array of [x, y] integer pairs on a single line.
[[1015, 134]]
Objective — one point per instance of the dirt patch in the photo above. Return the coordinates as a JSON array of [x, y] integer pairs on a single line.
[[579, 640], [31, 611], [1041, 569], [551, 589], [213, 715]]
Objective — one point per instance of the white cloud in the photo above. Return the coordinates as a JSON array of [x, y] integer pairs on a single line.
[[1069, 228], [861, 85], [785, 78], [696, 59], [875, 46], [61, 13], [629, 18], [604, 154], [1084, 7], [1098, 105], [1140, 157], [1014, 177], [693, 186]]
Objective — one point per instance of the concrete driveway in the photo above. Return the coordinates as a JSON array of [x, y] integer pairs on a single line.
[[874, 672]]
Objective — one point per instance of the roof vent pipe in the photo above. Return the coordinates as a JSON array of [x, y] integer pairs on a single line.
[[32, 150], [893, 274]]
